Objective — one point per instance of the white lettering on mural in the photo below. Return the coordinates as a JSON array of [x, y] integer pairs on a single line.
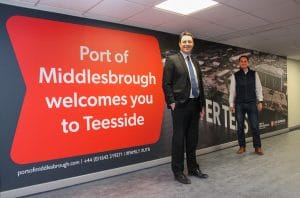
[[85, 76], [214, 115], [89, 76]]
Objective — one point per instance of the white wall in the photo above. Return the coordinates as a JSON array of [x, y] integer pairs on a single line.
[[293, 88]]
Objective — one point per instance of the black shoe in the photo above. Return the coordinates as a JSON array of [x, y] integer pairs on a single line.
[[182, 178], [198, 173]]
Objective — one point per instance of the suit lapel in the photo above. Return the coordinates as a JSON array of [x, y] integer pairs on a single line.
[[196, 67], [182, 63]]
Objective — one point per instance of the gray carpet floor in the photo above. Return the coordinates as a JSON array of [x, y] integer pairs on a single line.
[[275, 174]]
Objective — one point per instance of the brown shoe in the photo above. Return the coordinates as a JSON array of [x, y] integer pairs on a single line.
[[259, 151], [241, 150]]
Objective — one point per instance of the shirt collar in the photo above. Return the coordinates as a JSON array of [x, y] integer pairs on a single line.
[[245, 72], [185, 55]]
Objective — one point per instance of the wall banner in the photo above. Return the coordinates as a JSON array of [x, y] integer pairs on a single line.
[[80, 96]]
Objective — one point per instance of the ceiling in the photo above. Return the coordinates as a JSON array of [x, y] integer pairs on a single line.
[[266, 25]]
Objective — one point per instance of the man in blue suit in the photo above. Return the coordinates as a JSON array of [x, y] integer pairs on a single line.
[[184, 95]]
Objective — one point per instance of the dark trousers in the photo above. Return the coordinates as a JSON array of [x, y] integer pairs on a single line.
[[185, 135], [240, 111]]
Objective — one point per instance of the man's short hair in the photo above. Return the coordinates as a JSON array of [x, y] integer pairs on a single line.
[[244, 56], [185, 33]]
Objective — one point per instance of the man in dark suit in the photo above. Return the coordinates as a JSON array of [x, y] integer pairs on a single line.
[[184, 94]]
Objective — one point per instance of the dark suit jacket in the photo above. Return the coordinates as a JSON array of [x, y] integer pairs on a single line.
[[176, 81]]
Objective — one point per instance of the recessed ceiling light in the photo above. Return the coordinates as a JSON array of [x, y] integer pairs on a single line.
[[185, 7]]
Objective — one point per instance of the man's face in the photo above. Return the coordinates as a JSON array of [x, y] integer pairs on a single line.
[[186, 44], [244, 63]]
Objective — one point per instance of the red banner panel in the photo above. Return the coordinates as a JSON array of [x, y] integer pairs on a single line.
[[88, 89]]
